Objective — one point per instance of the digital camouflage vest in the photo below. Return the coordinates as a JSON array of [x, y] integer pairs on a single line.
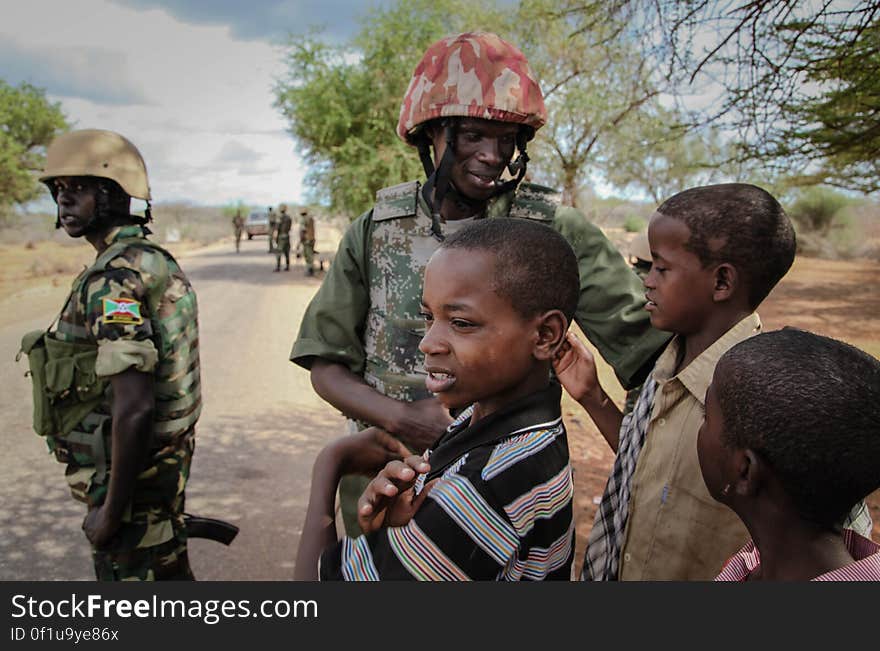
[[400, 248], [72, 403]]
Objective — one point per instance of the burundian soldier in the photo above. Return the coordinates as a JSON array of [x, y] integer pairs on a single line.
[[471, 108], [282, 239], [237, 228], [116, 377], [307, 239], [273, 226]]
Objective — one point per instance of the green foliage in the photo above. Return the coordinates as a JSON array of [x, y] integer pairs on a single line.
[[634, 224], [28, 123], [817, 210], [660, 156]]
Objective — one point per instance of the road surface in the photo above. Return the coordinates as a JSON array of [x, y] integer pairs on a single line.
[[260, 428]]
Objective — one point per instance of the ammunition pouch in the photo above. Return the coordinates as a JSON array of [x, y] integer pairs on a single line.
[[65, 386]]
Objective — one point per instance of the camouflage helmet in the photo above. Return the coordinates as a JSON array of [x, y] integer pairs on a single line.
[[282, 207], [477, 75], [100, 153]]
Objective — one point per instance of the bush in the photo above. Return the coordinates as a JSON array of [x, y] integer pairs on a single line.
[[817, 208], [634, 224]]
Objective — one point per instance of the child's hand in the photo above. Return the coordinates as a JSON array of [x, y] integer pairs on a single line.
[[367, 451], [575, 367], [389, 499]]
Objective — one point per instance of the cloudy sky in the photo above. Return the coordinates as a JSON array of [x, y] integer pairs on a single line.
[[189, 82]]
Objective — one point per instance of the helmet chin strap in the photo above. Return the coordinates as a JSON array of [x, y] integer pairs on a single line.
[[440, 179]]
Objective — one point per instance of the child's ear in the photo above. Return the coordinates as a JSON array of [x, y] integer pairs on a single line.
[[726, 282], [750, 470], [551, 329]]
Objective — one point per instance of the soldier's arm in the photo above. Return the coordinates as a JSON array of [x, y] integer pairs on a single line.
[[132, 424], [119, 323], [418, 424], [330, 345]]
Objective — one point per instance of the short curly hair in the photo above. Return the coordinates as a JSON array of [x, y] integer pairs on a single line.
[[741, 224], [810, 406], [535, 267]]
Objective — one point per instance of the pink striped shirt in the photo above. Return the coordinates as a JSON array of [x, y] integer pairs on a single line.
[[865, 567]]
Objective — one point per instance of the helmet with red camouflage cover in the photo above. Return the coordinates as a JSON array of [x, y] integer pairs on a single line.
[[477, 75]]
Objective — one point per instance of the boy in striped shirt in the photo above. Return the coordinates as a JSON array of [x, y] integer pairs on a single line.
[[492, 497], [790, 442]]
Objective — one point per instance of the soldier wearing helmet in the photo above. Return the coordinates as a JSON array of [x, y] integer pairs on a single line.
[[282, 238], [307, 240], [116, 377], [470, 110]]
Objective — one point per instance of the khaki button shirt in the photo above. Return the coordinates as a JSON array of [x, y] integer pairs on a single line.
[[676, 530]]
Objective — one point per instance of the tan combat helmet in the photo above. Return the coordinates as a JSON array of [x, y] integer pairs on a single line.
[[96, 152], [639, 248], [283, 207]]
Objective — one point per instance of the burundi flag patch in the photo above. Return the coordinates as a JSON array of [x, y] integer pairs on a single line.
[[122, 310]]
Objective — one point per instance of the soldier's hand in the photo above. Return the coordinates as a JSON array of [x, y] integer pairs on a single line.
[[575, 367], [390, 499], [367, 451], [420, 423], [99, 527]]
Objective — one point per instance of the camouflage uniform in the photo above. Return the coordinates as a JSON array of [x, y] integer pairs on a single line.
[[374, 287], [273, 226], [238, 227], [282, 241], [307, 240], [134, 308]]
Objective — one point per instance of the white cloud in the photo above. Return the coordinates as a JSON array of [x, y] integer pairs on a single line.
[[193, 99]]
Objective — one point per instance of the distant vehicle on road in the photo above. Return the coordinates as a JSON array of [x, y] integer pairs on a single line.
[[257, 223]]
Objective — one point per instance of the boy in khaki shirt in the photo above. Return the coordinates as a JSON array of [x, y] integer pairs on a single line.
[[717, 252]]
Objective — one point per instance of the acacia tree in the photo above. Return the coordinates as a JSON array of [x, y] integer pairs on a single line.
[[595, 88], [28, 123], [669, 159], [798, 79]]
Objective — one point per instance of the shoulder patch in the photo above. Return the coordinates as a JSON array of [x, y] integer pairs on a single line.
[[123, 311], [535, 202], [396, 201]]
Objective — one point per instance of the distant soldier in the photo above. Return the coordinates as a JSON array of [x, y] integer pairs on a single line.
[[273, 226], [307, 239], [282, 239], [238, 227], [116, 381]]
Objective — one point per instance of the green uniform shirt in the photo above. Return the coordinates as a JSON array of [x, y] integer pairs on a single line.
[[610, 310]]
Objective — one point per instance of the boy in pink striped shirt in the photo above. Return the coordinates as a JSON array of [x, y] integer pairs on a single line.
[[791, 440]]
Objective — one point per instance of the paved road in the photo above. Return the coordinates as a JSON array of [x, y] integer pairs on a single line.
[[260, 429]]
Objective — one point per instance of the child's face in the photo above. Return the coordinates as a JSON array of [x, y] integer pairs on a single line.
[[477, 348], [679, 290], [713, 454]]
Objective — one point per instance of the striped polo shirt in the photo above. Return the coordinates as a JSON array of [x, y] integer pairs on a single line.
[[501, 510]]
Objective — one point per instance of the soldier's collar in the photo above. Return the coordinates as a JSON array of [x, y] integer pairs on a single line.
[[124, 232]]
